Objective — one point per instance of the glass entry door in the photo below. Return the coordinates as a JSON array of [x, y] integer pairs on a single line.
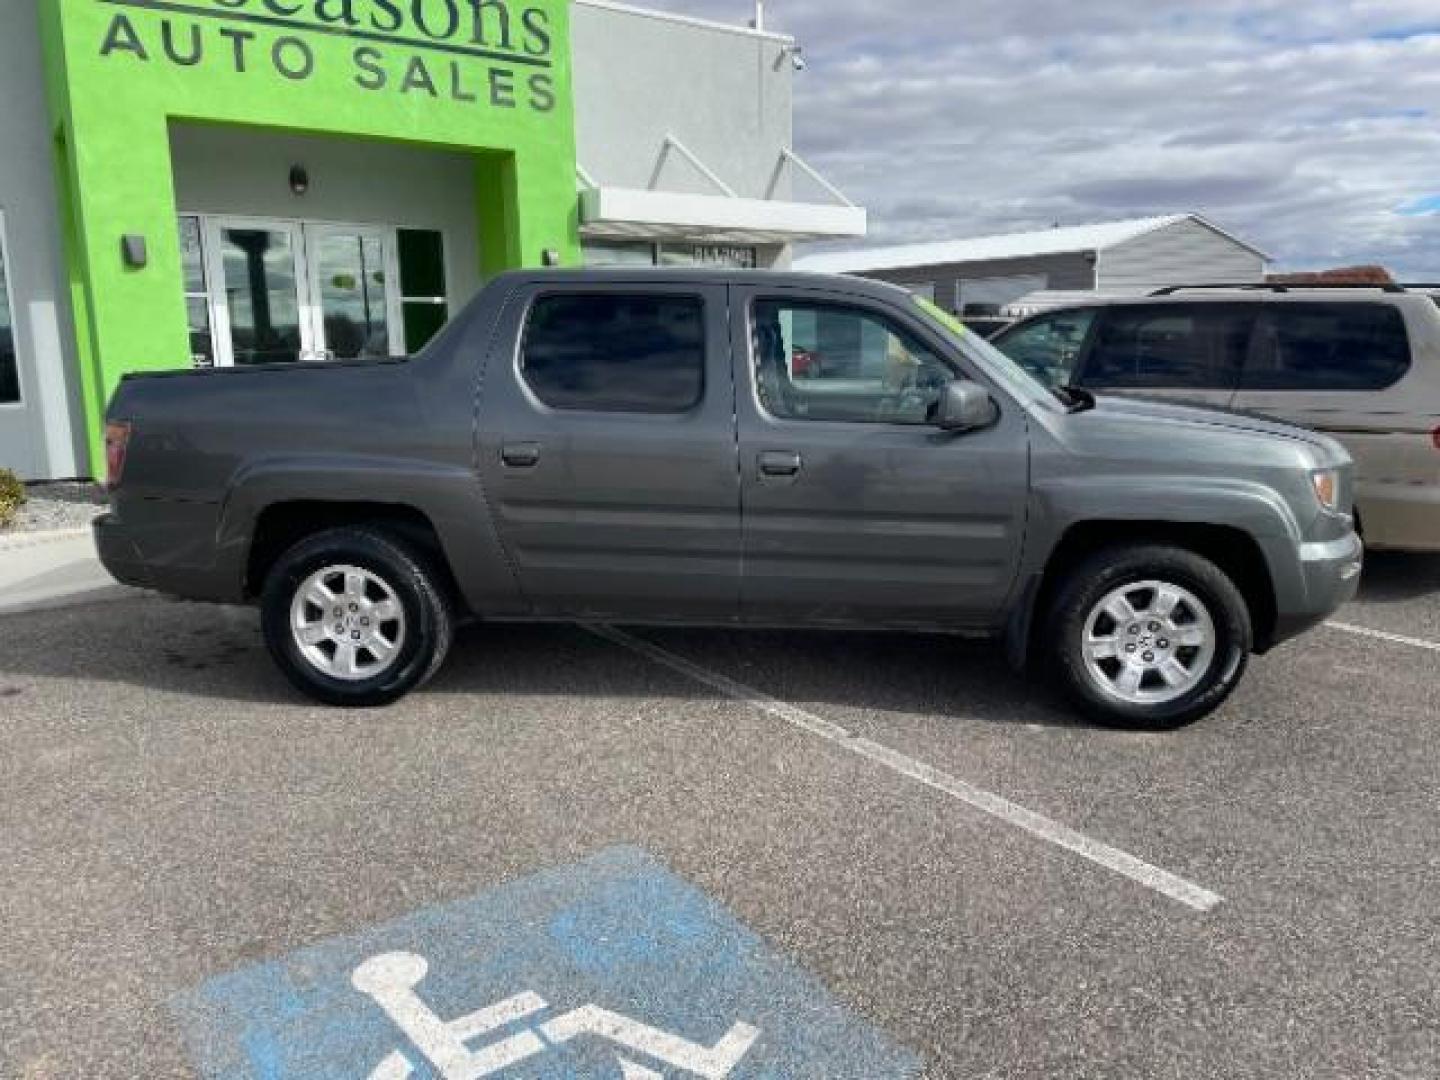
[[354, 300], [282, 292]]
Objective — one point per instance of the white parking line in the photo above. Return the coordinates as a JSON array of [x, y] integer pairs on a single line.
[[1152, 877], [1381, 635]]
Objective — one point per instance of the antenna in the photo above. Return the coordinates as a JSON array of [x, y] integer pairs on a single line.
[[759, 22]]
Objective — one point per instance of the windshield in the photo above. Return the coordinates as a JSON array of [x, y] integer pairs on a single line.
[[995, 362]]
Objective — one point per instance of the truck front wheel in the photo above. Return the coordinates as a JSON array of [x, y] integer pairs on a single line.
[[354, 617], [1149, 636]]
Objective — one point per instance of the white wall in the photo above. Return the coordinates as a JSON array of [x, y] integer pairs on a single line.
[[1189, 253], [41, 438], [725, 93], [226, 170]]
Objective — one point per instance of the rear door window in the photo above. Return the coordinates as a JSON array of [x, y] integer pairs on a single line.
[[607, 352], [1319, 346], [1170, 347]]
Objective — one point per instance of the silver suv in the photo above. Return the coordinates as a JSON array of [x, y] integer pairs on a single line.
[[1361, 363]]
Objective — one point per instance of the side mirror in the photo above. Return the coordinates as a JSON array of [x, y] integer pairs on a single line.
[[965, 406]]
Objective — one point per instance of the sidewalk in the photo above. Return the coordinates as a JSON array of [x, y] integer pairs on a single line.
[[52, 569]]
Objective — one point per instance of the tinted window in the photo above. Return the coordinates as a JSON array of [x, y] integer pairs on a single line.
[[613, 353], [9, 367], [1172, 347], [1049, 346], [1328, 347], [828, 362]]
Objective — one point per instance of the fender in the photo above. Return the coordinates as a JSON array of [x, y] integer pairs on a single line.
[[449, 495], [1060, 505]]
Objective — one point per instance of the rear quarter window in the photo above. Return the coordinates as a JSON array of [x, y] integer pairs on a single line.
[[1321, 346]]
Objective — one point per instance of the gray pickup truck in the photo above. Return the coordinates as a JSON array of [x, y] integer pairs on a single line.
[[726, 448]]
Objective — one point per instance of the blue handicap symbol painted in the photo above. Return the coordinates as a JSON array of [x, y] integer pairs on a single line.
[[611, 968]]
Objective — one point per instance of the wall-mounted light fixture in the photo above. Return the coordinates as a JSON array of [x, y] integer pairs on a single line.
[[299, 180], [133, 251], [795, 53]]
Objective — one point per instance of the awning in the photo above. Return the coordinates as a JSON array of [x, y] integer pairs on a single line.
[[621, 213], [636, 214]]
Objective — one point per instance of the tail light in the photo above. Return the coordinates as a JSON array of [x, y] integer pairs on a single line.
[[1435, 438], [117, 443]]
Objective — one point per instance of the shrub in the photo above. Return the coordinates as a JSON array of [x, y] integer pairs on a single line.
[[12, 497]]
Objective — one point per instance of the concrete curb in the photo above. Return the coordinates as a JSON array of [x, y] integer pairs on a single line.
[[20, 540]]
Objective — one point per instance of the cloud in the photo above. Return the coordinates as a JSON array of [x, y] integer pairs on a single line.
[[1308, 129]]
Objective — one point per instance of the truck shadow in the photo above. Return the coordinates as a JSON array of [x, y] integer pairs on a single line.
[[1397, 577], [842, 675], [216, 655]]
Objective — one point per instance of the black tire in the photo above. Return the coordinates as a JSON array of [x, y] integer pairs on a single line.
[[1107, 570], [428, 625]]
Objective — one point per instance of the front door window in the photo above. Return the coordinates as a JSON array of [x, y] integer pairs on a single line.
[[830, 362]]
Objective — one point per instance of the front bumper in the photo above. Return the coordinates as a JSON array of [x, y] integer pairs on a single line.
[[1329, 579]]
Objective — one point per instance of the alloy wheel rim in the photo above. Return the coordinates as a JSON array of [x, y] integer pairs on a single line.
[[348, 623], [1149, 643]]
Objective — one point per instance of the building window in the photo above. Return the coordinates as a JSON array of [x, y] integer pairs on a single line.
[[424, 292], [197, 292], [609, 352], [9, 361], [985, 298]]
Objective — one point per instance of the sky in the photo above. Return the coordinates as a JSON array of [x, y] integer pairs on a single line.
[[1310, 128]]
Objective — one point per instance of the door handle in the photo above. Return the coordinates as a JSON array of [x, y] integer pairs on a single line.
[[780, 463], [520, 455]]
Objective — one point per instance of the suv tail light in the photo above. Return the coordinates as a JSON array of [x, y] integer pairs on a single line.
[[117, 442]]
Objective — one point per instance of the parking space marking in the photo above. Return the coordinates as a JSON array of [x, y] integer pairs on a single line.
[[1111, 858], [611, 968], [1382, 635]]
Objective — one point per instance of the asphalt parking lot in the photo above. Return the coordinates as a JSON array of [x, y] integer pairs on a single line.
[[959, 866]]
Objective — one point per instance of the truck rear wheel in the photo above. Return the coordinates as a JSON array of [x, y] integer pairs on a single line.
[[354, 617], [1149, 636]]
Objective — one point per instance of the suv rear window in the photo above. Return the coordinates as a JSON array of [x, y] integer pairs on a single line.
[[1169, 346], [1328, 347], [607, 352]]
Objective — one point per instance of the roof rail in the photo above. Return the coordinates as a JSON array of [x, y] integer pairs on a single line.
[[1286, 286]]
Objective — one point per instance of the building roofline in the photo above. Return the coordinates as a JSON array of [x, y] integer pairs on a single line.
[[1203, 220], [689, 20]]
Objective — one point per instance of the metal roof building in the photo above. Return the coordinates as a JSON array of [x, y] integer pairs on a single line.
[[978, 277]]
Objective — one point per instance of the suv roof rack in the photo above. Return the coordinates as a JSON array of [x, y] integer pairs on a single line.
[[1285, 287]]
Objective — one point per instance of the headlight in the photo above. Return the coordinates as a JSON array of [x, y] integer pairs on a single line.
[[1327, 488]]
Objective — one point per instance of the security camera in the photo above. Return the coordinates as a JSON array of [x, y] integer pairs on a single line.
[[797, 57]]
